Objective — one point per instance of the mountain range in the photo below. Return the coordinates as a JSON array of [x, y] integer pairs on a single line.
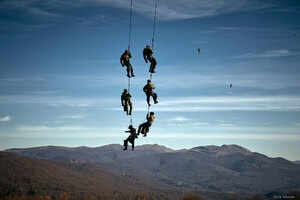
[[211, 171]]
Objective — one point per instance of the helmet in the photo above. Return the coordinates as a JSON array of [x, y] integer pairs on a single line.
[[151, 113], [125, 90], [149, 81], [126, 51], [148, 46], [130, 126]]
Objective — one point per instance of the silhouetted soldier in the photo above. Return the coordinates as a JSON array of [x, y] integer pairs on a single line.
[[144, 127], [124, 60], [125, 100], [130, 138], [147, 53], [148, 89]]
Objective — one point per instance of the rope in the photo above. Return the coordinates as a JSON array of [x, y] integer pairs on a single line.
[[154, 22], [129, 39], [129, 92], [128, 85]]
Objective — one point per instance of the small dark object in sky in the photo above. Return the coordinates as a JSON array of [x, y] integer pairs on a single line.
[[199, 50], [230, 86]]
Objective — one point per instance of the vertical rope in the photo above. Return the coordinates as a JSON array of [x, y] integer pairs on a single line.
[[154, 22], [129, 93], [129, 41], [151, 76], [128, 85], [130, 16]]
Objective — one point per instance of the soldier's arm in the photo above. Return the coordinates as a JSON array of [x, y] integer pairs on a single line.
[[130, 55], [145, 88], [121, 61]]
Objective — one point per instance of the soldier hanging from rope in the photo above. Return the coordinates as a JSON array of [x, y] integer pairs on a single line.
[[124, 60], [130, 138], [125, 100], [147, 53], [148, 89], [144, 127]]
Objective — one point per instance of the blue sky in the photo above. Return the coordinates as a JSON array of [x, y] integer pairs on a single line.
[[61, 80]]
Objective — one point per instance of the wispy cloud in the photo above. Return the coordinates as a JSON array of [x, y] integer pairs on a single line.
[[224, 103], [58, 100], [179, 119], [48, 128], [176, 9], [34, 7], [259, 81], [5, 119], [72, 116], [268, 54], [289, 137], [167, 9]]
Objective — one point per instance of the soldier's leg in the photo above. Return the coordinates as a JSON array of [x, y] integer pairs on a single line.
[[125, 144], [131, 70], [153, 65], [128, 69], [148, 99], [139, 130], [147, 126], [155, 98], [130, 107], [126, 108], [132, 144]]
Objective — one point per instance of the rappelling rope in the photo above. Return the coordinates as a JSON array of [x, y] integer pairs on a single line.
[[153, 34], [129, 39], [128, 85], [129, 93], [154, 22]]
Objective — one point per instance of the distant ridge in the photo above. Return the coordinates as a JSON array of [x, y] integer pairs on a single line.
[[222, 150], [107, 153], [226, 168]]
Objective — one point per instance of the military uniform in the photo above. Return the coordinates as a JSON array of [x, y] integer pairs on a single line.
[[148, 89], [144, 128], [124, 60], [131, 137], [147, 53], [125, 100]]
